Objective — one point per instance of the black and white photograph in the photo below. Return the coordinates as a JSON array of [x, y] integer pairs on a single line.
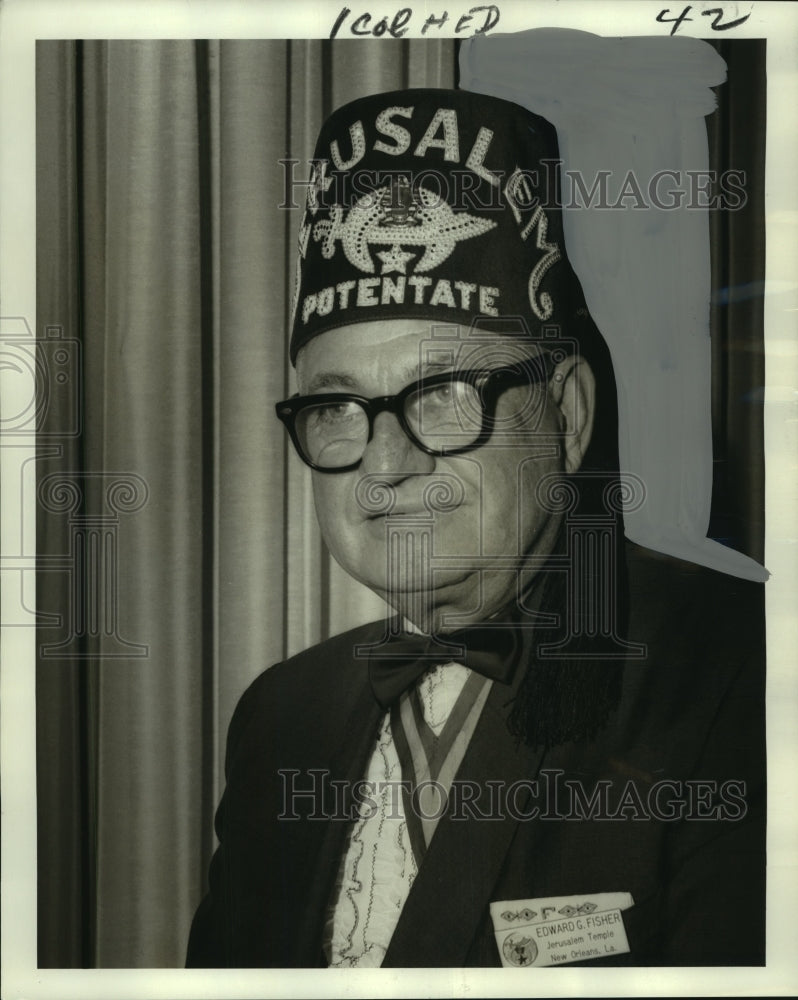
[[399, 490]]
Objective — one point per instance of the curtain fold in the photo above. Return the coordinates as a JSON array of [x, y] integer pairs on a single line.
[[64, 841], [737, 141], [183, 550]]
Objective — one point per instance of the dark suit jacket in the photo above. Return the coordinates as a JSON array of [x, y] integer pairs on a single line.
[[692, 714]]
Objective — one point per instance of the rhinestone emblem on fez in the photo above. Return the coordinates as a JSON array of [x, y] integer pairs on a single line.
[[398, 216]]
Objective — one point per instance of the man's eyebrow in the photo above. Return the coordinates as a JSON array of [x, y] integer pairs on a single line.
[[331, 380], [413, 372], [341, 380]]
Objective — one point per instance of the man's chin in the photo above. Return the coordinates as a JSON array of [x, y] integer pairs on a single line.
[[443, 585], [451, 593]]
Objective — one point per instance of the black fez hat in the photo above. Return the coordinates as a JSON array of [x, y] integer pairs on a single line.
[[435, 204]]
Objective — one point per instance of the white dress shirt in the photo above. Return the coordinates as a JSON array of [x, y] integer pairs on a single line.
[[378, 866]]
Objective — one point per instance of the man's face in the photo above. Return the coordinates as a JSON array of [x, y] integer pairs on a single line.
[[490, 508]]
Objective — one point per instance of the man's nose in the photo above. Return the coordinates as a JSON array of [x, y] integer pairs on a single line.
[[391, 453]]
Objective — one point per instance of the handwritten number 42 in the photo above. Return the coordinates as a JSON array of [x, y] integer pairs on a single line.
[[716, 24]]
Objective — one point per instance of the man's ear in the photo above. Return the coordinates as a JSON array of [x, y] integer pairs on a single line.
[[573, 391]]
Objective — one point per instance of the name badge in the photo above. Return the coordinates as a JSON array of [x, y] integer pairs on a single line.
[[560, 929]]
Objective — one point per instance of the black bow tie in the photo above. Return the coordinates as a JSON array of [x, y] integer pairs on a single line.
[[398, 663]]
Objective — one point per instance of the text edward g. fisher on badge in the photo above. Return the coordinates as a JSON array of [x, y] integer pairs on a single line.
[[558, 931]]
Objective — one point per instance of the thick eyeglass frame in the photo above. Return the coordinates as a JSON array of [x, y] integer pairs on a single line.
[[490, 383]]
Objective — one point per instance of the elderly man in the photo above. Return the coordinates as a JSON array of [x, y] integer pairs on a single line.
[[554, 752]]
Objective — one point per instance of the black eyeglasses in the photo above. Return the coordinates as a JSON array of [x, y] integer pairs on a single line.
[[444, 414]]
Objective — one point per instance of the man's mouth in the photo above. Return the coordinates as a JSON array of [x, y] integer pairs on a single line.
[[424, 496], [402, 512]]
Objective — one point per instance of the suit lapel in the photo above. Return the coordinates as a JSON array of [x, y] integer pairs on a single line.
[[325, 841], [453, 887]]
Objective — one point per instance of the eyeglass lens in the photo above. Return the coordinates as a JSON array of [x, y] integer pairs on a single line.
[[333, 435]]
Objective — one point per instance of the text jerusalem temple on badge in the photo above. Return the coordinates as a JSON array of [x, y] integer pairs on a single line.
[[552, 750]]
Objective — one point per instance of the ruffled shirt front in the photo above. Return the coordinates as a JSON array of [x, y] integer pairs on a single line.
[[378, 866]]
